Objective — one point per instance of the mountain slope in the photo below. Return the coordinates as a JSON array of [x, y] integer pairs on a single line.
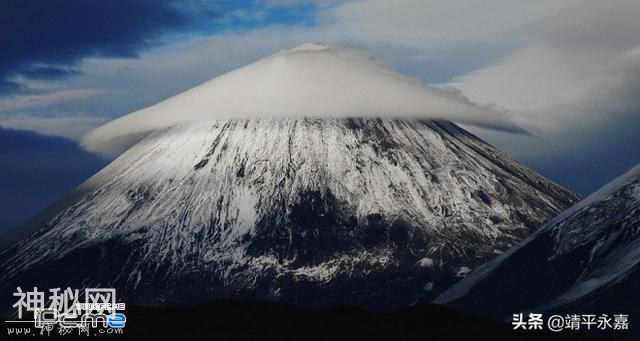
[[375, 212], [585, 260]]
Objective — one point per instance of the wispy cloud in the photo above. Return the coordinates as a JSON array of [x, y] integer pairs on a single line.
[[18, 102], [69, 126], [581, 71], [575, 83]]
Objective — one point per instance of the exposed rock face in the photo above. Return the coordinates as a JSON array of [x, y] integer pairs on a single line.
[[374, 212], [586, 260]]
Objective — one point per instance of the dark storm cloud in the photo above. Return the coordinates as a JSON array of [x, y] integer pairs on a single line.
[[46, 38]]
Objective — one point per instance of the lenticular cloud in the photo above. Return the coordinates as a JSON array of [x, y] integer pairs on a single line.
[[310, 80]]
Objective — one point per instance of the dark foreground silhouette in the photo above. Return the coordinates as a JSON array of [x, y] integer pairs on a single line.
[[250, 320]]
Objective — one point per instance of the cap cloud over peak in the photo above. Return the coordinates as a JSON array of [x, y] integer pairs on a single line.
[[313, 80]]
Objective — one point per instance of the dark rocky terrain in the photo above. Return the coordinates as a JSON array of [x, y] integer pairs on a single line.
[[585, 261], [380, 213]]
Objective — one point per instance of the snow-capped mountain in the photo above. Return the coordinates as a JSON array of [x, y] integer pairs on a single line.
[[311, 80], [375, 212], [257, 184], [586, 260]]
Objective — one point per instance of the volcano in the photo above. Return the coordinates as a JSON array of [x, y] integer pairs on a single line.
[[380, 212]]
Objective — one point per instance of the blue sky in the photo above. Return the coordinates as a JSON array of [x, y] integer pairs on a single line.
[[568, 71]]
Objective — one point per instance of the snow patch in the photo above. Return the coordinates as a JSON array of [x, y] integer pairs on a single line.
[[636, 193], [463, 271], [426, 262], [428, 286]]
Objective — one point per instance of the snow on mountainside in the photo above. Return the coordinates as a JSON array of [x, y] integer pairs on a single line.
[[376, 212], [311, 80], [586, 259]]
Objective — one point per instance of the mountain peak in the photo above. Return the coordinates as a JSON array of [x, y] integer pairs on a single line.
[[584, 259], [311, 80], [313, 211]]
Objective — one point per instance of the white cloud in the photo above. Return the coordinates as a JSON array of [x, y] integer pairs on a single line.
[[310, 80], [438, 25], [289, 3], [69, 126], [579, 73], [565, 69], [24, 101]]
